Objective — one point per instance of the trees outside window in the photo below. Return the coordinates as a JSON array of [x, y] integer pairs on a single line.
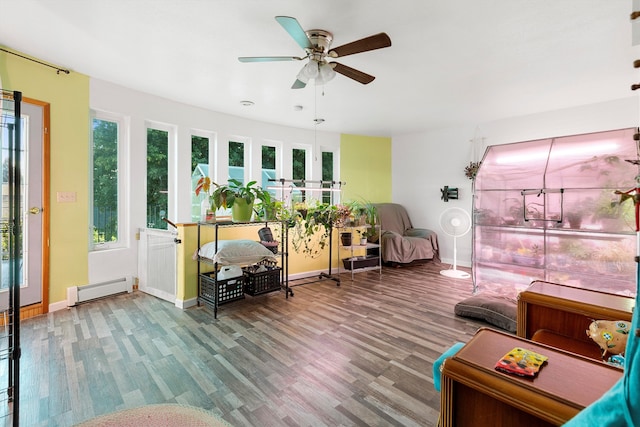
[[327, 174], [157, 177], [268, 167], [236, 160], [107, 205], [299, 171]]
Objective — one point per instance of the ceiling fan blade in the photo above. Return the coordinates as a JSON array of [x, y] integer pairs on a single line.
[[268, 58], [377, 41], [298, 84], [352, 73], [292, 26]]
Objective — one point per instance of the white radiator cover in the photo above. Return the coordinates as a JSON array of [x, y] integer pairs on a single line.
[[78, 294]]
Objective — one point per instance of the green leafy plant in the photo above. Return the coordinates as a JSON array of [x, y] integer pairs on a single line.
[[366, 214], [226, 195], [310, 235]]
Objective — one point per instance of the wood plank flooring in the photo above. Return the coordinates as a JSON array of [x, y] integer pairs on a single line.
[[360, 354]]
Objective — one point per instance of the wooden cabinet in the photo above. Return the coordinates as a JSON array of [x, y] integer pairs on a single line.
[[475, 394], [559, 315]]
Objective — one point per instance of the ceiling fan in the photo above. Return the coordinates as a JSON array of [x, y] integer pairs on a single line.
[[317, 46]]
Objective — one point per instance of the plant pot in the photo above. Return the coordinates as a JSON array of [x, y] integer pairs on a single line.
[[363, 241], [265, 234], [241, 211], [345, 238]]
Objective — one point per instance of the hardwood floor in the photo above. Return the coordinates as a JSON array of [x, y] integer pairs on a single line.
[[358, 354]]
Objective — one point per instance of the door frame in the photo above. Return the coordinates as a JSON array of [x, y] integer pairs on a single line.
[[43, 306]]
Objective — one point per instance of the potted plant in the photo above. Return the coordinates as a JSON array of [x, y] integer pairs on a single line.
[[240, 198], [366, 215], [363, 232]]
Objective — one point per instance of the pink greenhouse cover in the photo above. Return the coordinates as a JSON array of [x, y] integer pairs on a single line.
[[546, 210]]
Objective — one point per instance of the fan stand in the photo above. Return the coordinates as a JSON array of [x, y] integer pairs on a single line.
[[454, 272]]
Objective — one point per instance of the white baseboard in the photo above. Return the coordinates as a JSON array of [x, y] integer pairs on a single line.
[[58, 306], [184, 304], [307, 274]]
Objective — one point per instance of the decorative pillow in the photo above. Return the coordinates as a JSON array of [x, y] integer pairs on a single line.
[[497, 311], [236, 252], [610, 335]]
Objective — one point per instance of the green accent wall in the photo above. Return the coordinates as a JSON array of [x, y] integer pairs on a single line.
[[365, 165], [68, 96]]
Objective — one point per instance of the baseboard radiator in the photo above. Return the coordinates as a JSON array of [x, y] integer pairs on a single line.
[[78, 294]]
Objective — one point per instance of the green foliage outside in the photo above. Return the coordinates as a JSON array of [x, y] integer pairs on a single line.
[[105, 181], [157, 177]]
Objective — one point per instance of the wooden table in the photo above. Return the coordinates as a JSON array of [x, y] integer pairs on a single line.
[[559, 315], [475, 394]]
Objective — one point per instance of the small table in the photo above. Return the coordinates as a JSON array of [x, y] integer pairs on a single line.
[[475, 394]]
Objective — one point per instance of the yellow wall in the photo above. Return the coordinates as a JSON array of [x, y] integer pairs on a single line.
[[69, 99], [365, 165]]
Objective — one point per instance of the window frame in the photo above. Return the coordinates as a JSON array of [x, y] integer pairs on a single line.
[[211, 158], [277, 145], [123, 146], [172, 136]]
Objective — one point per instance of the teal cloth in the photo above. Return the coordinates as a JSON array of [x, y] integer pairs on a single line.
[[437, 365], [619, 406]]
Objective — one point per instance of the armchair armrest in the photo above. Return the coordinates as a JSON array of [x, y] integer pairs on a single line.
[[419, 232]]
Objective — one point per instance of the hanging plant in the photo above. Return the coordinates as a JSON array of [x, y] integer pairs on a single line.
[[471, 170]]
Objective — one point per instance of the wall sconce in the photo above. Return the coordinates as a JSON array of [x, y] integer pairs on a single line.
[[449, 193]]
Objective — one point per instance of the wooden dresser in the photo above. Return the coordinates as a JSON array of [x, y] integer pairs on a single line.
[[475, 394], [559, 315]]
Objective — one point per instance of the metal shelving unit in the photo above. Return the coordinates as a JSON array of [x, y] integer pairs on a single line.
[[11, 138], [208, 281], [372, 252]]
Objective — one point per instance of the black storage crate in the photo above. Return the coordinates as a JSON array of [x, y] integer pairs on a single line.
[[228, 289], [261, 282], [361, 262]]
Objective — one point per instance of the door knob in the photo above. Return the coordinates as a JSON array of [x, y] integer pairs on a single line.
[[34, 211]]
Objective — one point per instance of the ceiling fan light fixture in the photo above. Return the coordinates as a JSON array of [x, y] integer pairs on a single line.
[[326, 74], [310, 71], [322, 72]]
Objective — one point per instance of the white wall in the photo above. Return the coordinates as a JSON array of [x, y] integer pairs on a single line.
[[140, 108], [423, 163]]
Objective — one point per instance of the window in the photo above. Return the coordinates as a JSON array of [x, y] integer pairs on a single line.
[[268, 167], [236, 160], [199, 169], [107, 180], [299, 172], [157, 177], [327, 175]]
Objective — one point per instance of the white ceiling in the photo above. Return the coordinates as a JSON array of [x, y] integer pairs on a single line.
[[450, 63]]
